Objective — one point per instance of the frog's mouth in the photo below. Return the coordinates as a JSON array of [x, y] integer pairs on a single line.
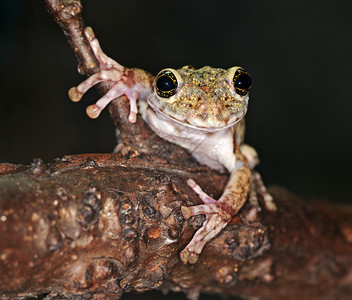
[[195, 122]]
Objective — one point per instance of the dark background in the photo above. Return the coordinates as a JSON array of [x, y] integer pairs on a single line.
[[298, 53]]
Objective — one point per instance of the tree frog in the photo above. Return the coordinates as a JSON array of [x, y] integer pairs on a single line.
[[201, 110]]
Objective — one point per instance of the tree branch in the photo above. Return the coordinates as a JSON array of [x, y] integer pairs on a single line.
[[94, 226]]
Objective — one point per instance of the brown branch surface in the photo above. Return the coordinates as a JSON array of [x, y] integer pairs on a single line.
[[99, 225], [67, 14], [95, 226]]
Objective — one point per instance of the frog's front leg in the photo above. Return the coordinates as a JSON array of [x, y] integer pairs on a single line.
[[218, 212], [134, 83]]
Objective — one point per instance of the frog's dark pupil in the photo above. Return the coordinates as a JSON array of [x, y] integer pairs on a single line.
[[242, 82], [166, 84]]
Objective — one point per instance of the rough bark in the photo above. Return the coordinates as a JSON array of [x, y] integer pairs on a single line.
[[95, 226], [99, 225]]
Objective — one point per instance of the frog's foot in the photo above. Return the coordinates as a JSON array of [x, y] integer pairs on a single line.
[[216, 219], [134, 83], [258, 188]]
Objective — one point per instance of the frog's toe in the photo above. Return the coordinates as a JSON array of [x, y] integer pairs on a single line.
[[203, 209], [74, 94], [202, 195], [188, 256]]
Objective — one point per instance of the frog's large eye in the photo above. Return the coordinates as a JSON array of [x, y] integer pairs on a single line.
[[166, 84], [242, 82]]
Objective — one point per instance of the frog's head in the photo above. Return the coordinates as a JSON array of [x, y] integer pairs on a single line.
[[207, 98]]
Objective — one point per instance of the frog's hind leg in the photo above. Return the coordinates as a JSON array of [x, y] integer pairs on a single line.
[[257, 185], [261, 190]]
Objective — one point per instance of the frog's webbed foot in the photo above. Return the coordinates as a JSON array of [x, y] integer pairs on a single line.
[[216, 219], [134, 83]]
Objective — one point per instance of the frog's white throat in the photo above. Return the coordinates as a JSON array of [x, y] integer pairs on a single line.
[[154, 104]]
